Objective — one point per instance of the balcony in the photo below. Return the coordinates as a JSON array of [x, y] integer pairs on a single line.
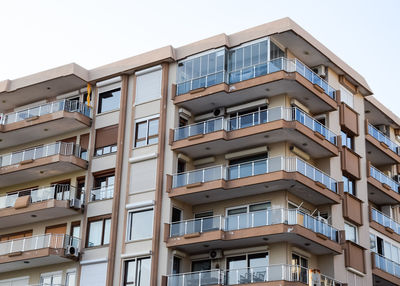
[[38, 204], [386, 269], [274, 125], [40, 162], [243, 85], [58, 117], [382, 190], [381, 150], [254, 229], [384, 224], [36, 251], [102, 193], [279, 274], [254, 177]]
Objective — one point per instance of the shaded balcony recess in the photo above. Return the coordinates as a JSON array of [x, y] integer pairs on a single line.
[[253, 71], [57, 192], [381, 177], [378, 135], [254, 168], [244, 276], [48, 108], [254, 119], [385, 220], [386, 265], [57, 148], [102, 193], [255, 219]]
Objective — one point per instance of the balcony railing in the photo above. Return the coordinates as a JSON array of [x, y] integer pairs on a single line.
[[381, 177], [378, 135], [48, 108], [268, 67], [387, 265], [38, 242], [385, 220], [57, 192], [270, 273], [102, 193], [253, 168], [61, 148], [255, 219], [253, 119]]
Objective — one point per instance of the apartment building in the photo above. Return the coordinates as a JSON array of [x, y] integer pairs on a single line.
[[257, 158]]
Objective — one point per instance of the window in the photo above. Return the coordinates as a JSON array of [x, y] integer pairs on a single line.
[[351, 232], [238, 268], [106, 150], [99, 231], [247, 216], [75, 233], [140, 224], [106, 140], [146, 132], [176, 265], [50, 279], [274, 51], [384, 248], [137, 272], [347, 140], [70, 278], [349, 186], [301, 272], [109, 100], [103, 187], [346, 96]]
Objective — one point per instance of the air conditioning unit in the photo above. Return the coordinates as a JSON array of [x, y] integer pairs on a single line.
[[219, 111], [71, 251], [382, 128], [320, 70], [396, 178], [215, 254], [75, 204]]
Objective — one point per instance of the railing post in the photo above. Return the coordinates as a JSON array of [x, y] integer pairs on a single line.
[[185, 229], [201, 225], [204, 171], [11, 247]]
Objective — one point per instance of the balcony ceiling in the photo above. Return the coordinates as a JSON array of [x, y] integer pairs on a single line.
[[377, 156], [34, 262]]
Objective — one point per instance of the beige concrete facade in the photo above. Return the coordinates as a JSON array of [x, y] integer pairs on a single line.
[[232, 177]]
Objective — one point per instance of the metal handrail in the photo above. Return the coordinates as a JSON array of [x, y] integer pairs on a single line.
[[102, 193], [40, 241], [255, 118], [385, 220], [56, 191], [48, 108], [253, 168], [254, 219], [378, 135], [381, 177], [59, 147]]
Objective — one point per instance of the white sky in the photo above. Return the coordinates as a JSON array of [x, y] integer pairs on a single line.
[[38, 35]]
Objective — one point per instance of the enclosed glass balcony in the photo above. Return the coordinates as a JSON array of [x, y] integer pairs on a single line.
[[387, 265]]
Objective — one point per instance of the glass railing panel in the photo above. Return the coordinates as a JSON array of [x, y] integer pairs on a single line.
[[201, 278], [102, 193], [204, 127], [205, 224], [385, 220], [381, 177], [255, 219], [198, 176], [387, 265], [378, 135]]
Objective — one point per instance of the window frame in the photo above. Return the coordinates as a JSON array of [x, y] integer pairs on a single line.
[[346, 183], [100, 100], [129, 236], [125, 268], [356, 239], [345, 94], [146, 120], [103, 218], [345, 136]]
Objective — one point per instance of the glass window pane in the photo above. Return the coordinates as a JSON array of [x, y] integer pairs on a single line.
[[107, 229], [95, 232], [141, 130], [109, 100], [141, 225], [70, 280], [153, 127], [247, 56], [130, 271], [143, 272]]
